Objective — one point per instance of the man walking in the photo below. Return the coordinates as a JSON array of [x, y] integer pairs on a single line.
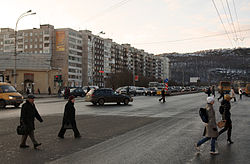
[[28, 115], [240, 93], [162, 95], [221, 94]]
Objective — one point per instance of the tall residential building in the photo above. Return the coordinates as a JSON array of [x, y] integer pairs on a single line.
[[68, 56]]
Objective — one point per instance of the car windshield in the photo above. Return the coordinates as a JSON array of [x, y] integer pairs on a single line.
[[7, 88]]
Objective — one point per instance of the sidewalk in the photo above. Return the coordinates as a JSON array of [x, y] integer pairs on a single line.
[[42, 96]]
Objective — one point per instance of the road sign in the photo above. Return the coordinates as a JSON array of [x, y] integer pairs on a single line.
[[166, 80]]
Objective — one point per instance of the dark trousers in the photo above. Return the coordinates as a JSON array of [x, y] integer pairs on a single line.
[[234, 99], [240, 96], [74, 128], [162, 98], [32, 137], [228, 128], [221, 96]]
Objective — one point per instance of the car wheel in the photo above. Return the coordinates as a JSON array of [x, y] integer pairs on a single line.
[[2, 104], [16, 105], [126, 101], [101, 102]]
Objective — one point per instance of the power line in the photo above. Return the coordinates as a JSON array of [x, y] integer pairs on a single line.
[[109, 9], [226, 15], [222, 23], [186, 39], [232, 21], [241, 37]]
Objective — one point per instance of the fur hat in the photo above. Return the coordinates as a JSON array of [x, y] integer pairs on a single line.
[[210, 99], [71, 97]]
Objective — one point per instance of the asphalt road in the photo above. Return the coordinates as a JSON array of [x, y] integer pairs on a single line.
[[146, 131]]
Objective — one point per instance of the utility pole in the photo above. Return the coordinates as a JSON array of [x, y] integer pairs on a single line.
[[15, 47]]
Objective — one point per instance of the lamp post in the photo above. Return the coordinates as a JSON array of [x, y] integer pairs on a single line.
[[15, 35], [93, 54]]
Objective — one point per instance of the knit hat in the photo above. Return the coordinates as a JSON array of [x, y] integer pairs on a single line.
[[71, 97], [210, 99]]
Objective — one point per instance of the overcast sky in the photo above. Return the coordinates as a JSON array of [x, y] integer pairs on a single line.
[[157, 26]]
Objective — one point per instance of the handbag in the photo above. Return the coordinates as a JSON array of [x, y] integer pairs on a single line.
[[221, 124], [22, 129]]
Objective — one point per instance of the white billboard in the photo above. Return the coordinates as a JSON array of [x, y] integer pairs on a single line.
[[194, 79]]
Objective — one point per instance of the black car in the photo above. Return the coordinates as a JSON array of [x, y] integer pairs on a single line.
[[78, 92], [106, 95]]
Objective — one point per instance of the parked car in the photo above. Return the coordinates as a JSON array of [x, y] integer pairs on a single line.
[[9, 95], [106, 95], [78, 92], [85, 88], [140, 90]]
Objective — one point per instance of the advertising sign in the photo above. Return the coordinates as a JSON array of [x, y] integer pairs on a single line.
[[194, 79], [60, 41]]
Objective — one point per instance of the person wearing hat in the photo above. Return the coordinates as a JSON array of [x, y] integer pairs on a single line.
[[28, 115], [226, 115], [210, 128], [69, 121]]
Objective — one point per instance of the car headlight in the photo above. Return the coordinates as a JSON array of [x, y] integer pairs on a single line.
[[11, 97]]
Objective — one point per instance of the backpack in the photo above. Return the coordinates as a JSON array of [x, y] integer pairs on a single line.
[[221, 109], [203, 115]]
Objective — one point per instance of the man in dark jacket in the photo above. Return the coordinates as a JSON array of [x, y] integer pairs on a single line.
[[208, 92], [28, 115], [162, 95], [69, 121], [226, 115]]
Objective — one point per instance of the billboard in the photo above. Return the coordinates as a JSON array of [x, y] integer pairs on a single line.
[[60, 41], [194, 79]]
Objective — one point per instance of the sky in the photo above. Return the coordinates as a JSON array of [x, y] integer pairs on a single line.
[[157, 26]]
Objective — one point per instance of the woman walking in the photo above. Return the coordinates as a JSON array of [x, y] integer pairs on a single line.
[[226, 115], [69, 121], [210, 128]]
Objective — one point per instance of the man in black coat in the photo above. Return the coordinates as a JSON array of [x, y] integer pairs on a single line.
[[162, 95], [69, 121], [28, 115]]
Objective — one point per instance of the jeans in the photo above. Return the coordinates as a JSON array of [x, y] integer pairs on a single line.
[[205, 140]]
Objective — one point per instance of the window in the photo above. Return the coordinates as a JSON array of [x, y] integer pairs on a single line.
[[26, 40], [46, 44], [36, 39], [20, 46], [41, 51], [26, 46], [40, 39], [40, 46], [31, 40], [31, 34], [31, 46], [36, 34], [41, 33], [35, 46]]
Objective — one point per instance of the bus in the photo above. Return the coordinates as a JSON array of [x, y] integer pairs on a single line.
[[225, 86]]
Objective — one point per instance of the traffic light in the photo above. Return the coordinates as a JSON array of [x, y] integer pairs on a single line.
[[56, 78]]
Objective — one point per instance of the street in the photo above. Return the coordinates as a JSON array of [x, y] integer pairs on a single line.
[[145, 131]]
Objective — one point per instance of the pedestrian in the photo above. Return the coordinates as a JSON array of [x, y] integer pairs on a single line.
[[38, 90], [226, 115], [221, 94], [59, 92], [28, 115], [127, 90], [162, 95], [210, 131], [27, 91], [208, 91], [240, 93], [49, 90], [69, 121], [88, 89], [213, 90], [65, 93], [233, 94]]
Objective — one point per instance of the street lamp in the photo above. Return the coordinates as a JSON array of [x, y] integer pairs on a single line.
[[93, 54], [15, 33]]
